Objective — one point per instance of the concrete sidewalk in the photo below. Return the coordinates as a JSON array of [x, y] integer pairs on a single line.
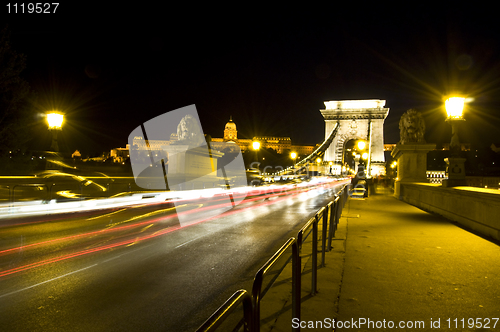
[[394, 265]]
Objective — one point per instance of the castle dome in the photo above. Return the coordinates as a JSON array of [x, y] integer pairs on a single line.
[[230, 132], [230, 125]]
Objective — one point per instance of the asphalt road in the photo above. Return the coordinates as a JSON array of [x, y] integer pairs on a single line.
[[136, 268]]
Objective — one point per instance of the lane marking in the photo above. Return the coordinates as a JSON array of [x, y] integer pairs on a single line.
[[46, 281], [70, 273], [106, 215], [180, 245]]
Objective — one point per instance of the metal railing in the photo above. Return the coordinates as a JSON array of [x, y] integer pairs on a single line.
[[329, 215], [227, 308], [257, 293]]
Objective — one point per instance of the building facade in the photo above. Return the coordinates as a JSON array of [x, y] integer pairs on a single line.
[[224, 144]]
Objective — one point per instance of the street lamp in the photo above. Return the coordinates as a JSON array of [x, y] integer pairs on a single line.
[[454, 109], [293, 155], [455, 166], [256, 147], [54, 120]]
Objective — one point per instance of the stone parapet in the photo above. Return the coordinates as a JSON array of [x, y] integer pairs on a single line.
[[474, 208]]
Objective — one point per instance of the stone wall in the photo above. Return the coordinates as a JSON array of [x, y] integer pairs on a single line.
[[474, 208]]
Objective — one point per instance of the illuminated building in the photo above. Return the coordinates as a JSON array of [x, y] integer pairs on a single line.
[[279, 144]]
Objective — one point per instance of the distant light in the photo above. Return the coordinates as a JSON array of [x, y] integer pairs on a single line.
[[318, 160], [293, 155], [455, 107], [365, 155], [361, 145], [256, 145], [55, 120]]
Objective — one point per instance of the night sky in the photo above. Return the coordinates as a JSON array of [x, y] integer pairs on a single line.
[[111, 69]]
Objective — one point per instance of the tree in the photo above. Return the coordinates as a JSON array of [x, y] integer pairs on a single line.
[[16, 107]]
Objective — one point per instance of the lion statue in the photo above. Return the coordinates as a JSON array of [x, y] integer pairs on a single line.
[[411, 127], [188, 132]]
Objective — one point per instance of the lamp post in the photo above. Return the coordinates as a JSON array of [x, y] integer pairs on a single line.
[[455, 166], [256, 147], [293, 155], [55, 120]]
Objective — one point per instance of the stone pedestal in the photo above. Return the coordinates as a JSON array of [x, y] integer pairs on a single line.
[[189, 165], [455, 172], [412, 163], [177, 167]]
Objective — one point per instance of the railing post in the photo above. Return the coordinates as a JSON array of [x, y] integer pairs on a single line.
[[314, 283], [333, 217], [296, 285], [257, 285], [326, 213], [346, 195], [216, 319], [299, 240], [259, 277], [339, 210]]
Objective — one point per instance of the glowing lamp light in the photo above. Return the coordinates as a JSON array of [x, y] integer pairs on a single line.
[[361, 145], [454, 107], [365, 155], [55, 120], [293, 155], [318, 160], [256, 145]]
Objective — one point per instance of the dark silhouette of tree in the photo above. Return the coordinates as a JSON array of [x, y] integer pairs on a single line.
[[16, 98]]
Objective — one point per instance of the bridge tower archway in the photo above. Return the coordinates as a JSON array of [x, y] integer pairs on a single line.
[[358, 120]]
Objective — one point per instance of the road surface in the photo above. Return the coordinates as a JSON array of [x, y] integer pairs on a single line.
[[136, 268]]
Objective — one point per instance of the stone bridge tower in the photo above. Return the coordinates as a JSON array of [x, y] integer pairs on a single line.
[[359, 120]]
